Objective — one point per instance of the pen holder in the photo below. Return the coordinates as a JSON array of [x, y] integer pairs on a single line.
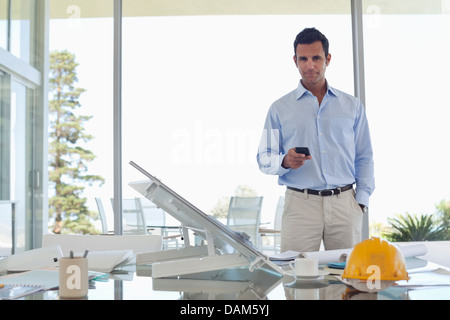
[[73, 277]]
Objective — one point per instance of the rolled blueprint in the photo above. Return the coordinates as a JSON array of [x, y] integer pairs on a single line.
[[328, 256], [340, 255], [412, 250]]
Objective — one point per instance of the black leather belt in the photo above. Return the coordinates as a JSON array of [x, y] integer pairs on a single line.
[[324, 193]]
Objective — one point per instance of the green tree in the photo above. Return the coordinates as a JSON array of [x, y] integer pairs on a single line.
[[443, 211], [67, 158], [220, 210], [415, 228], [377, 229]]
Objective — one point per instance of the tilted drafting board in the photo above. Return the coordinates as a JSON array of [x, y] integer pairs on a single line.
[[226, 248]]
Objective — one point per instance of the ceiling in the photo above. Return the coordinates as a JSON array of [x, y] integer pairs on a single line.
[[60, 9]]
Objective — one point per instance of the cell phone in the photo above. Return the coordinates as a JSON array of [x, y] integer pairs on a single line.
[[303, 150]]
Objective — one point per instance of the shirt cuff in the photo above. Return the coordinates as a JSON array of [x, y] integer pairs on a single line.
[[282, 171], [362, 197]]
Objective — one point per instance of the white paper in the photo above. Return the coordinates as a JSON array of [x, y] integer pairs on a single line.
[[285, 256], [15, 292], [106, 261], [329, 256], [438, 277], [79, 243], [324, 257], [46, 279], [414, 250], [31, 259]]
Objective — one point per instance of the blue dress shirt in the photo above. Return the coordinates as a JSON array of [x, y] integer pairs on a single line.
[[336, 133]]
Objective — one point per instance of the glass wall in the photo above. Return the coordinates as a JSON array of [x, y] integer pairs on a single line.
[[85, 29], [197, 85], [23, 26], [22, 113], [5, 131], [18, 168], [14, 104], [4, 24], [198, 81], [406, 92]]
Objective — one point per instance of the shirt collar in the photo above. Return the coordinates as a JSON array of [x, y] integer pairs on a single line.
[[301, 90]]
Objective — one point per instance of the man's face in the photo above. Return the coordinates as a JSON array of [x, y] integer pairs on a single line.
[[311, 62]]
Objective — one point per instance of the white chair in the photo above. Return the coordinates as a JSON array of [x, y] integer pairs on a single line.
[[132, 217], [275, 233], [244, 215], [102, 213], [155, 218]]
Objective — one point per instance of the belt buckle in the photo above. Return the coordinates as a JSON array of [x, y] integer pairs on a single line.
[[333, 192], [323, 195]]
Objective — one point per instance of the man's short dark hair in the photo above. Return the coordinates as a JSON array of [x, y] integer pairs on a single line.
[[311, 35]]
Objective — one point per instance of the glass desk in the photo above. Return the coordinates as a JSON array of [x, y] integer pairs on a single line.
[[428, 282]]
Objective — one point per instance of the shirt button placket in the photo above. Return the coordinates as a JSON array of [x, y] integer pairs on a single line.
[[322, 151]]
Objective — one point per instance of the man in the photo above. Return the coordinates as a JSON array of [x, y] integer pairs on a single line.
[[320, 203]]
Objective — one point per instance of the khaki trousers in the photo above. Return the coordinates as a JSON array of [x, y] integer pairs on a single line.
[[309, 219]]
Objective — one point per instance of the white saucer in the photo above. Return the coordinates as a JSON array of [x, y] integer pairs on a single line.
[[299, 277]]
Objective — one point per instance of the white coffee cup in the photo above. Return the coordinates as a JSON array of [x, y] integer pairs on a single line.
[[73, 277], [305, 266]]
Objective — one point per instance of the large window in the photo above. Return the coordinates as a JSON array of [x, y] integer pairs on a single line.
[[22, 29], [18, 167], [22, 113], [198, 81], [4, 24], [85, 29], [406, 93], [197, 88]]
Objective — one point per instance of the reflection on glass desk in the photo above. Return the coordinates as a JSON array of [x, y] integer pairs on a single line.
[[428, 282]]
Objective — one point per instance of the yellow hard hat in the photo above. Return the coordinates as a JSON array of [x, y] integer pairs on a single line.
[[376, 258]]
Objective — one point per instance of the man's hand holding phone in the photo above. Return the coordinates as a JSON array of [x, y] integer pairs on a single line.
[[303, 150], [296, 157]]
